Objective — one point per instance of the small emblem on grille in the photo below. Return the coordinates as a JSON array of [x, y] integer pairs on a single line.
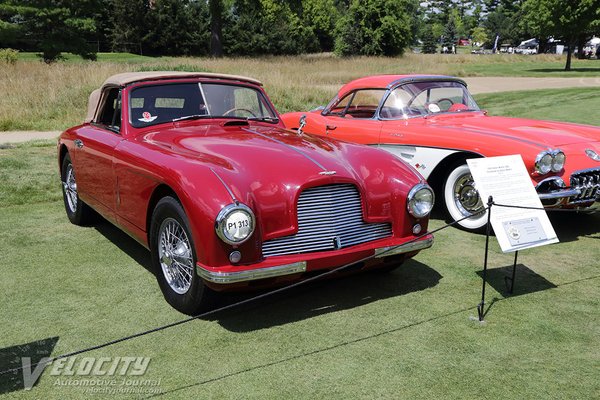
[[592, 154], [327, 173], [337, 243]]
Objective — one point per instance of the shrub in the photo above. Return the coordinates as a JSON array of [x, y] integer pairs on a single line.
[[9, 56]]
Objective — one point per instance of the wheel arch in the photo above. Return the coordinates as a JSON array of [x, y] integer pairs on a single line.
[[161, 191], [62, 153], [438, 176]]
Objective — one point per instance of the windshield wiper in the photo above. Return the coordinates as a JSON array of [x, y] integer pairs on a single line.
[[263, 119], [194, 116]]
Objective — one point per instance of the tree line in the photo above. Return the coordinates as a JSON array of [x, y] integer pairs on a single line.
[[277, 27]]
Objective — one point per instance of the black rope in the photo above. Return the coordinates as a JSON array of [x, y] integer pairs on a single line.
[[577, 210], [234, 305]]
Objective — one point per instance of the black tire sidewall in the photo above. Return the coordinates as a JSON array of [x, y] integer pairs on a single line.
[[195, 299], [74, 217]]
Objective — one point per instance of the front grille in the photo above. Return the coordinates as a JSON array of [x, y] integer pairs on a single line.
[[329, 218], [588, 182]]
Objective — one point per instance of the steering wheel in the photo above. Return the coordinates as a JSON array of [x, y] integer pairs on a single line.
[[239, 109], [445, 99]]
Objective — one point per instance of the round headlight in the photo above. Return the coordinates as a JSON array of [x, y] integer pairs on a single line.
[[420, 201], [235, 224], [543, 163], [558, 161]]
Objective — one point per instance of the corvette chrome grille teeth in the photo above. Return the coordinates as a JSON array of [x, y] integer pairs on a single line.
[[588, 182], [329, 218]]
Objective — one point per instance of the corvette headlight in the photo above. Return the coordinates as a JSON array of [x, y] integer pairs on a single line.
[[420, 201], [558, 161], [235, 223], [549, 160], [543, 163]]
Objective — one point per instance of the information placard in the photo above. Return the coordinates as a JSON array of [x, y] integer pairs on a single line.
[[506, 179]]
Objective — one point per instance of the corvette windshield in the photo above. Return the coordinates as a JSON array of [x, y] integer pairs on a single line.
[[426, 98], [155, 104]]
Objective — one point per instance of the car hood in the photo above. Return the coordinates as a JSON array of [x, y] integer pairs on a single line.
[[543, 134], [268, 167]]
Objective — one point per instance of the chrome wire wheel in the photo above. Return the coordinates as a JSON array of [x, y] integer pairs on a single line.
[[466, 196], [70, 188], [175, 256]]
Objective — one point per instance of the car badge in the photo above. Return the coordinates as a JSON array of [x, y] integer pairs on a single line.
[[592, 154], [327, 173], [147, 117]]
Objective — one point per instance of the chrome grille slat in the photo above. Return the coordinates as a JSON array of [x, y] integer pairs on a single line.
[[588, 182], [324, 214]]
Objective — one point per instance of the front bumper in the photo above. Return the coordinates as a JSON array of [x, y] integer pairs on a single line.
[[300, 263]]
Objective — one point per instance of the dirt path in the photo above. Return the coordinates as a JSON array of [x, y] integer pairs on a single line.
[[477, 85]]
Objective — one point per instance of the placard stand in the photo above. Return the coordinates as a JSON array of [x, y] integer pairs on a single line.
[[507, 279]]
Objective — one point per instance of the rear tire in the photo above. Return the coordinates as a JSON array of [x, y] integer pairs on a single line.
[[78, 212], [463, 200], [174, 259]]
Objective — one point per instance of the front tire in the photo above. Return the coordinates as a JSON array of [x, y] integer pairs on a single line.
[[462, 199], [78, 212], [174, 259]]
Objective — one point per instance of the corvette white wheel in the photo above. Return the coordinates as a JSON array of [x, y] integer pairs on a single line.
[[462, 199]]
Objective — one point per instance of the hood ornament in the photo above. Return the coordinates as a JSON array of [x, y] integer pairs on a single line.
[[592, 154], [327, 173], [302, 124]]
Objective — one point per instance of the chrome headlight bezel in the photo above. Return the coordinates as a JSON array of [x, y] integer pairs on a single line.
[[549, 161], [221, 223], [411, 199]]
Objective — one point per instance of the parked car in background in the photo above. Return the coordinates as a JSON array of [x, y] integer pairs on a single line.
[[199, 169], [433, 123]]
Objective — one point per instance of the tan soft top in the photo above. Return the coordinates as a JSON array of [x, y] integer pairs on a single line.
[[130, 77]]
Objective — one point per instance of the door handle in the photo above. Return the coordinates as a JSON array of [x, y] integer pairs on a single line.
[[329, 128], [78, 143]]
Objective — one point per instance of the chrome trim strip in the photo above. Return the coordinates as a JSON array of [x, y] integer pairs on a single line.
[[224, 184], [403, 248], [250, 275], [559, 194]]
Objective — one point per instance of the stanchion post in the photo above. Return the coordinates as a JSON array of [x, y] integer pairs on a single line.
[[480, 307]]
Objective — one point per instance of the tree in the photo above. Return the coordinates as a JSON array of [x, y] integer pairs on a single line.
[[55, 26], [374, 27], [570, 21], [479, 35], [320, 16], [429, 41], [449, 38], [128, 22], [216, 27]]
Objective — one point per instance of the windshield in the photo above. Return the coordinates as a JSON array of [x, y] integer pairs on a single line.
[[426, 98], [155, 104]]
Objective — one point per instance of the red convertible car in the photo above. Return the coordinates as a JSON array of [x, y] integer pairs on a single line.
[[199, 169], [433, 123]]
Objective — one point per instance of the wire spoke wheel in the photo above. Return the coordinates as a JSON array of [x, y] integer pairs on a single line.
[[70, 188], [175, 256]]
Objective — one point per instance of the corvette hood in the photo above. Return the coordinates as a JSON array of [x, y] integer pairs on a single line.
[[267, 167], [533, 132]]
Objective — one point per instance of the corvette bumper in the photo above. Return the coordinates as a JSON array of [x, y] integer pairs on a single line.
[[310, 261]]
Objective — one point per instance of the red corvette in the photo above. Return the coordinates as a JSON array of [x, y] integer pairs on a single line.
[[433, 123], [198, 168]]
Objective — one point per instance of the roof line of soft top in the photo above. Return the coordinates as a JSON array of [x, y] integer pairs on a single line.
[[425, 78], [126, 78]]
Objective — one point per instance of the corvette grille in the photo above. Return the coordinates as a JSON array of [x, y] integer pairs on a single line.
[[588, 182], [329, 218]]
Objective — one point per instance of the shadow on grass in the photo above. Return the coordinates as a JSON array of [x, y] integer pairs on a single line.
[[526, 280], [570, 226], [326, 296], [11, 357], [124, 242]]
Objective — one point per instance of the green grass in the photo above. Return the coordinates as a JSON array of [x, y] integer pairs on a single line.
[[579, 105], [408, 334], [531, 66]]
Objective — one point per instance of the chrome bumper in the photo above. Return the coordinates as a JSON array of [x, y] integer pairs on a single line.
[[559, 194], [403, 248], [298, 267]]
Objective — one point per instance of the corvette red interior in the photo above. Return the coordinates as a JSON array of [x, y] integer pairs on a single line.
[[199, 169], [433, 123]]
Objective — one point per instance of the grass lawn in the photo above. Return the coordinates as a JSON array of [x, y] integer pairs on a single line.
[[37, 96], [408, 334]]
